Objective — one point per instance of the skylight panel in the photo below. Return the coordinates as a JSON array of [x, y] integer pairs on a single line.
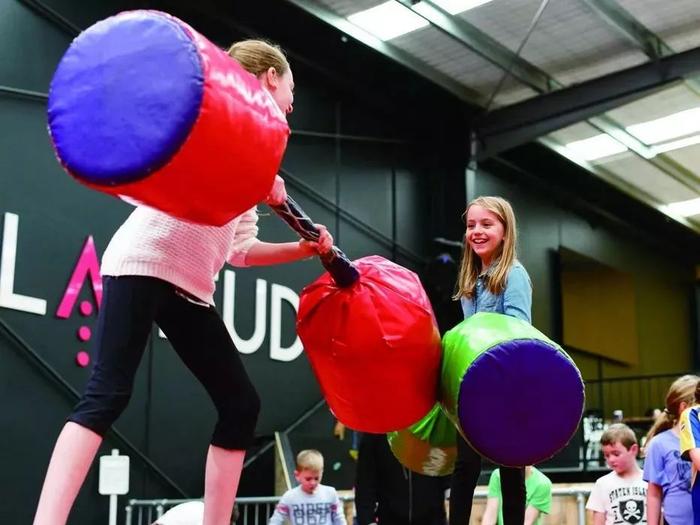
[[596, 147], [388, 20], [684, 208], [676, 144], [668, 128], [455, 7]]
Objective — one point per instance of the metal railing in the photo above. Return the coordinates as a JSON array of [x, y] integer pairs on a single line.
[[257, 510], [251, 510], [634, 395]]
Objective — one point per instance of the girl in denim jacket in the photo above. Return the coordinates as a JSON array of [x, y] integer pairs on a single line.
[[490, 280]]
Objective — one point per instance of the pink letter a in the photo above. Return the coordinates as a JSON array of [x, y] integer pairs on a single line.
[[87, 264]]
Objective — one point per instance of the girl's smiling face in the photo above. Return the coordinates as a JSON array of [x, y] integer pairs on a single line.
[[485, 233]]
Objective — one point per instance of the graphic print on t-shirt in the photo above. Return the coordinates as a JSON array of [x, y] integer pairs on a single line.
[[632, 510], [683, 468], [311, 513], [628, 505]]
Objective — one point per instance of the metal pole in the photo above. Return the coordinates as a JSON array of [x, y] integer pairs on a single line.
[[113, 509], [472, 168], [581, 508], [601, 394]]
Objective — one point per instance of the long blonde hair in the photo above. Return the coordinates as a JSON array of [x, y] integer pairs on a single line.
[[681, 390], [470, 267], [257, 56]]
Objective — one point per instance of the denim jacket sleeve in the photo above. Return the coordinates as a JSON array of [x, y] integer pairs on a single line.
[[517, 296], [468, 308]]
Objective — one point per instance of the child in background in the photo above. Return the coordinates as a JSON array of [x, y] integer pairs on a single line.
[[538, 498], [620, 496], [491, 279], [310, 503], [667, 474], [690, 450]]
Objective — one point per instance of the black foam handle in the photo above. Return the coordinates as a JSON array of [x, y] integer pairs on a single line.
[[342, 270]]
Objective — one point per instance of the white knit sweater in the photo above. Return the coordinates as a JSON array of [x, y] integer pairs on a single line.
[[188, 255]]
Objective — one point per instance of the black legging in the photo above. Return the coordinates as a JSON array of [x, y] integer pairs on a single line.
[[464, 479], [129, 307]]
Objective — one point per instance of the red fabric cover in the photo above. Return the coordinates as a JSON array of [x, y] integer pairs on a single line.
[[374, 346]]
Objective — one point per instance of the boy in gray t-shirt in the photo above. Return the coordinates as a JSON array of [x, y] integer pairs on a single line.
[[309, 502]]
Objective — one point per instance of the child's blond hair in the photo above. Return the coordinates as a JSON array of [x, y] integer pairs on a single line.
[[619, 433], [470, 267], [257, 56], [310, 460], [682, 390]]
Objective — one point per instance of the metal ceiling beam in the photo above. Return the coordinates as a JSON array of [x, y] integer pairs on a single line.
[[588, 101], [558, 107], [524, 71], [529, 120], [391, 51], [611, 178], [664, 163], [524, 121], [579, 104], [570, 109], [631, 28], [483, 45], [635, 32]]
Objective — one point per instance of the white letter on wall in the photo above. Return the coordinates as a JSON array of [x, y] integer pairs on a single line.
[[277, 295], [245, 346], [8, 298]]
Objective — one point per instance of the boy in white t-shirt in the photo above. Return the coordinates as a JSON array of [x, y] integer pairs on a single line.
[[309, 503], [620, 496]]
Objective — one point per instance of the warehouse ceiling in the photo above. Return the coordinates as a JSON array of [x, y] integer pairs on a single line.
[[607, 84]]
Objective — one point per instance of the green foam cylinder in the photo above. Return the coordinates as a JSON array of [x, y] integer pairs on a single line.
[[513, 393], [428, 447]]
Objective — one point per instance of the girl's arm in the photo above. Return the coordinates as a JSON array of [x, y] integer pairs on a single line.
[[338, 516], [598, 518], [259, 253], [247, 250], [267, 253], [596, 504], [491, 513], [695, 458], [654, 494], [281, 514], [517, 296], [531, 515]]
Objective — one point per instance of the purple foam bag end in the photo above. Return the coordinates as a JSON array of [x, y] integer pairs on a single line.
[[124, 97]]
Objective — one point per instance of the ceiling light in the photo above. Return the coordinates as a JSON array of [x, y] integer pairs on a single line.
[[667, 128], [684, 208], [596, 147], [676, 144], [458, 6], [388, 20]]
